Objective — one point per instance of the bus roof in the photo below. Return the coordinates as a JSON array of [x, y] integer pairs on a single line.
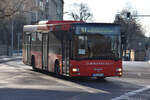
[[99, 24], [60, 25], [50, 25], [59, 22]]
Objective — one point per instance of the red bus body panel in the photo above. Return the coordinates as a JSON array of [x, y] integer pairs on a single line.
[[51, 62], [38, 59], [90, 67], [23, 56]]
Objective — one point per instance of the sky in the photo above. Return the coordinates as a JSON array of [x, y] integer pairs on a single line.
[[105, 10]]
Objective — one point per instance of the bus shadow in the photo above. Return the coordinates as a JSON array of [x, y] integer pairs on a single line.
[[109, 87], [72, 79], [107, 84]]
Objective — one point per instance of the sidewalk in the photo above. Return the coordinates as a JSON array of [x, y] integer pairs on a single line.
[[136, 64], [8, 58]]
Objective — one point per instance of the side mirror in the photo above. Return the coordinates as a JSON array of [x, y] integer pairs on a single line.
[[123, 38]]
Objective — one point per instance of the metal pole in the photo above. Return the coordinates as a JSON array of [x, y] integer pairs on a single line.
[[148, 52], [12, 35], [18, 43]]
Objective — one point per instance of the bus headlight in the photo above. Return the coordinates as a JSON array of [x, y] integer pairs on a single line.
[[120, 74], [119, 69], [75, 69]]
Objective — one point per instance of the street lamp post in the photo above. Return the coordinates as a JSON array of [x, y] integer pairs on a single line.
[[18, 42], [12, 35]]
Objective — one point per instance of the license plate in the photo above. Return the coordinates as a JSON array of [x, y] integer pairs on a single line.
[[100, 75]]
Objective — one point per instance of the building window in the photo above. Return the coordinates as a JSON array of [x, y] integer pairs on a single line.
[[33, 17], [41, 5]]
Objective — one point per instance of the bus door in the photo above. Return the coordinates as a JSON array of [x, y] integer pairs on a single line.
[[65, 56], [28, 48], [45, 51]]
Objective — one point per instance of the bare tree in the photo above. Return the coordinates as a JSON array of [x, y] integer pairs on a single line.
[[11, 14], [10, 7], [130, 26], [80, 12], [14, 11], [131, 29]]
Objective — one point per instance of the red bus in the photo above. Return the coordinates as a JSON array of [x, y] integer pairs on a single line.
[[74, 49]]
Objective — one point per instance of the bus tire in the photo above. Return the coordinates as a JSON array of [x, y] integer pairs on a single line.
[[33, 63], [57, 67]]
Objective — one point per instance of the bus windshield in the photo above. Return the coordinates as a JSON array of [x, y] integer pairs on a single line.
[[88, 45]]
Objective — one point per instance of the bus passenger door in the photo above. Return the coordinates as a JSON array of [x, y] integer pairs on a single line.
[[45, 51], [65, 56], [28, 48]]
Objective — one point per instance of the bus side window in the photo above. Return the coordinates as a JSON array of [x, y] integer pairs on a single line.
[[50, 42], [57, 42], [26, 38], [39, 41], [34, 36], [33, 41]]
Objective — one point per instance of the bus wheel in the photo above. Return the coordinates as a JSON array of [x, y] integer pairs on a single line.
[[57, 67], [33, 64]]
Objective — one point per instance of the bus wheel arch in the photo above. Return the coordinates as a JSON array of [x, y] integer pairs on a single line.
[[57, 67], [33, 63]]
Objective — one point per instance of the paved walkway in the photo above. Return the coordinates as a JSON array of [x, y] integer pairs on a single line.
[[8, 58], [136, 64]]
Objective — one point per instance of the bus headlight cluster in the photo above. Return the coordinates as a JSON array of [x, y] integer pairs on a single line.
[[120, 74], [75, 69], [119, 69]]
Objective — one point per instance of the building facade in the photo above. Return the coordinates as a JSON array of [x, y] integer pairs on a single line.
[[136, 49], [24, 12], [37, 10]]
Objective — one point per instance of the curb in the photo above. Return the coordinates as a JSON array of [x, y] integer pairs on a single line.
[[11, 59]]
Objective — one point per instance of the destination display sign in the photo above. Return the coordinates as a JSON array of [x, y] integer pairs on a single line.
[[93, 29]]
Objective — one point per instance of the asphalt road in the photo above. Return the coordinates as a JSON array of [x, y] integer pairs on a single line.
[[20, 82]]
